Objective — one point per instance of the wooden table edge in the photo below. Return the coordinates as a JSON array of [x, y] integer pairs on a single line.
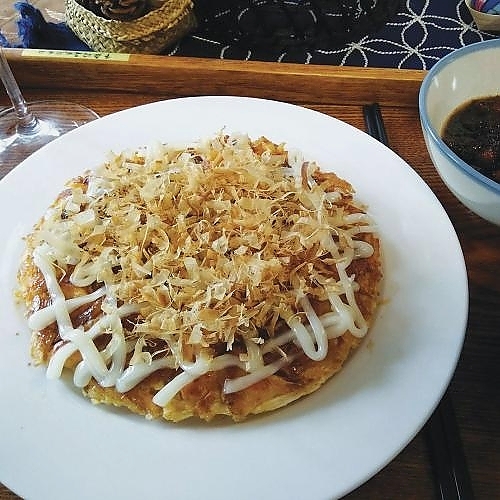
[[183, 76]]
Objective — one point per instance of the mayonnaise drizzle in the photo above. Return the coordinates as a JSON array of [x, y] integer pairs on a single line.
[[44, 317], [110, 363], [108, 366], [245, 381]]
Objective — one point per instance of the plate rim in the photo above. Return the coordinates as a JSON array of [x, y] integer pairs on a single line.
[[292, 108]]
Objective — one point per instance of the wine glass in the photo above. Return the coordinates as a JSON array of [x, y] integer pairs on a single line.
[[26, 127]]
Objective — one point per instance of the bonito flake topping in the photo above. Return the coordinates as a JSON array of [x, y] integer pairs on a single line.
[[197, 258]]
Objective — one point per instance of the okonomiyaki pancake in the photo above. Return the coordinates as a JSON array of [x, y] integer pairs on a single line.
[[224, 277]]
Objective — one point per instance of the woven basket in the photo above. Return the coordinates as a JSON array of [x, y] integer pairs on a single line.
[[149, 34]]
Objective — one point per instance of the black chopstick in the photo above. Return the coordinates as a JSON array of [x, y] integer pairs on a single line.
[[375, 123], [447, 456], [449, 466]]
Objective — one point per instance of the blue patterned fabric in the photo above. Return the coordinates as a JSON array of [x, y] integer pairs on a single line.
[[418, 35]]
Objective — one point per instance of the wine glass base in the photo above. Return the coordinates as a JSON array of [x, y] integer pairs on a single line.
[[54, 118]]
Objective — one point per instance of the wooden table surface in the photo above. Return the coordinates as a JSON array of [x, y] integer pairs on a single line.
[[108, 85]]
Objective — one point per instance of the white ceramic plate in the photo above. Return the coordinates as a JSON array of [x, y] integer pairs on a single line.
[[55, 444]]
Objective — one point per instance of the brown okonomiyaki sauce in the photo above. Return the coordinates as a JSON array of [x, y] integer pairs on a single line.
[[473, 132]]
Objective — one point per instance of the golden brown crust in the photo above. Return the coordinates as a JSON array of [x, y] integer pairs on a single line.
[[203, 398]]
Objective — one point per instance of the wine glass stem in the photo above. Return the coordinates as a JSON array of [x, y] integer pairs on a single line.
[[27, 122]]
